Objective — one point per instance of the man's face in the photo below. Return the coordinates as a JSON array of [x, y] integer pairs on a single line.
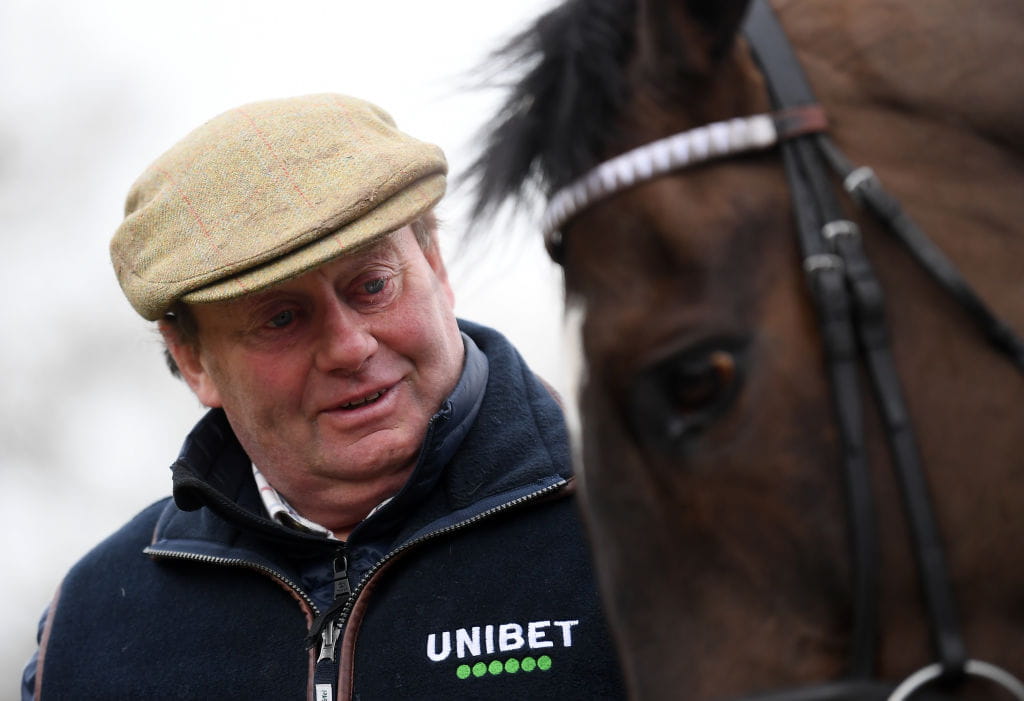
[[329, 379]]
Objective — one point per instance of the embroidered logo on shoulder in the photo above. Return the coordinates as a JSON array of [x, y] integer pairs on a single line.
[[509, 648]]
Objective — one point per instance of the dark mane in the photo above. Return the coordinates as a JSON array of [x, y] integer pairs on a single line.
[[557, 116]]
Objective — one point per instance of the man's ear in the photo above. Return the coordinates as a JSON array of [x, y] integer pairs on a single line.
[[188, 358]]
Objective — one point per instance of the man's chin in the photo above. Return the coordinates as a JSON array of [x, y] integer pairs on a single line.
[[380, 455]]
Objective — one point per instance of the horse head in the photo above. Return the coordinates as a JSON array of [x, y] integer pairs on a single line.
[[710, 444]]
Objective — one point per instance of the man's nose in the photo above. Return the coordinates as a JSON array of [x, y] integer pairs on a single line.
[[346, 341]]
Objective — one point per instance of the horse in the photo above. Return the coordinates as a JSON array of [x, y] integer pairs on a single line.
[[800, 449]]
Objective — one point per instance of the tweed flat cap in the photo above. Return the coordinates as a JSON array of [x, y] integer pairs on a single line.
[[266, 192]]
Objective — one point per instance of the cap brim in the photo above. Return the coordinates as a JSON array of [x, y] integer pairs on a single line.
[[392, 214]]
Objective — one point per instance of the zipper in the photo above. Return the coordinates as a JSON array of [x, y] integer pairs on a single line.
[[325, 677], [325, 673], [236, 562], [347, 611], [332, 631]]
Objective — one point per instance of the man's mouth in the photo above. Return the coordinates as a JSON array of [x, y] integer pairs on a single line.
[[370, 399]]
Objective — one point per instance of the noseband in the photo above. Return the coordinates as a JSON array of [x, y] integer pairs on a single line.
[[849, 303]]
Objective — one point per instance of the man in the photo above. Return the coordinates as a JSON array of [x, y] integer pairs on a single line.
[[378, 504]]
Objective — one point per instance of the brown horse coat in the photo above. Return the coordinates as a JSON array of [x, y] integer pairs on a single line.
[[725, 563]]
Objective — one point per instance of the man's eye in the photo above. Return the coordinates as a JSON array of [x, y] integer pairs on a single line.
[[375, 286], [282, 319]]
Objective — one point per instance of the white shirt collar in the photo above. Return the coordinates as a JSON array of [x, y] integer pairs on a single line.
[[284, 513], [281, 511]]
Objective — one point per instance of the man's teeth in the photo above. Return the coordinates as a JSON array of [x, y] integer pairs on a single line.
[[365, 400]]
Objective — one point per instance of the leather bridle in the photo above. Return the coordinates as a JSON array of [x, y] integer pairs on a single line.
[[849, 303]]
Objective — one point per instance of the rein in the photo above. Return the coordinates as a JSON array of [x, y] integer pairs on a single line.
[[849, 302]]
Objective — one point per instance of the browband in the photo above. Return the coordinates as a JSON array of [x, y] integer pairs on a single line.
[[688, 148]]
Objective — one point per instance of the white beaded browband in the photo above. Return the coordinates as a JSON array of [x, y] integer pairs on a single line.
[[687, 148]]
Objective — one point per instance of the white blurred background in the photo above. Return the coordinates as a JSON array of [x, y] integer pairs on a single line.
[[90, 93]]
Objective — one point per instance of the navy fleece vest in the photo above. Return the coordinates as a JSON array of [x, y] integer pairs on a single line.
[[487, 590]]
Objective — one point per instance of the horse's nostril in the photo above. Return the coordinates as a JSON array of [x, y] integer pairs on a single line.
[[677, 397]]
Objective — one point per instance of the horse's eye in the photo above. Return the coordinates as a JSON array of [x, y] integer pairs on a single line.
[[677, 397]]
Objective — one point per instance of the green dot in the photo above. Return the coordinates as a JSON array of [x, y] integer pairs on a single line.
[[529, 664], [479, 669], [463, 671], [496, 667], [544, 663], [512, 665]]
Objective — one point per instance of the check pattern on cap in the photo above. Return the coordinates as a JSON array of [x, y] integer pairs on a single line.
[[266, 192]]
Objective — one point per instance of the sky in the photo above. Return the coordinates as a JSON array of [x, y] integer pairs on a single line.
[[90, 419]]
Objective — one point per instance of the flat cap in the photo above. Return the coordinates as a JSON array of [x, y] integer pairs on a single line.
[[266, 192]]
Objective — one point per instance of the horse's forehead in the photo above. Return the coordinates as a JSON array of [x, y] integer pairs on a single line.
[[672, 262], [714, 221], [660, 105]]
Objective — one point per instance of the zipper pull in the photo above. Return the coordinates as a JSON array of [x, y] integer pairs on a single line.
[[326, 674], [326, 627], [328, 641], [342, 587]]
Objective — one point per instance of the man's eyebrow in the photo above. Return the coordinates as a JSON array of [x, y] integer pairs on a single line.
[[252, 304], [385, 244]]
